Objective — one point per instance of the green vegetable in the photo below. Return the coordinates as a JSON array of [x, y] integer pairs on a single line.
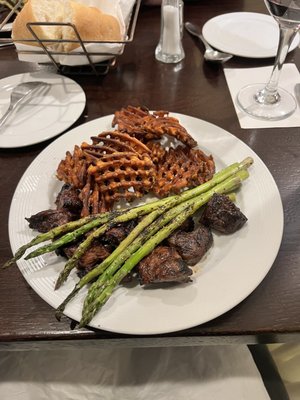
[[102, 289], [160, 219]]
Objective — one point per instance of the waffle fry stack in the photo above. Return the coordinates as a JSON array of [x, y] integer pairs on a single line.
[[131, 161]]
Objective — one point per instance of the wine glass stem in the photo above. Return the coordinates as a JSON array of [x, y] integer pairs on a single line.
[[269, 94]]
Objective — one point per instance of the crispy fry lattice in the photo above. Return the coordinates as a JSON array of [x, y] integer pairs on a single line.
[[143, 125], [158, 152], [73, 169], [182, 168], [115, 166], [110, 142], [123, 175], [118, 165]]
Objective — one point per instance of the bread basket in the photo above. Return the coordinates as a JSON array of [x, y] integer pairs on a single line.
[[92, 56]]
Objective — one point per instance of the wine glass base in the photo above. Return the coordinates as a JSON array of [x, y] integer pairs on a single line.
[[271, 112]]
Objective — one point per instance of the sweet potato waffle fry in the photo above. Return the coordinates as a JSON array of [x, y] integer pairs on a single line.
[[115, 166], [112, 141], [181, 168], [157, 152], [123, 175], [143, 125], [125, 164], [73, 169]]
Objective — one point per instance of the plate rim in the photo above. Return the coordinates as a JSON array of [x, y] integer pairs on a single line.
[[216, 45], [179, 327], [45, 76]]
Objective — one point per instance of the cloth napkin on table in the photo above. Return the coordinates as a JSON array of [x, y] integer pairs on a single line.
[[222, 372], [237, 78]]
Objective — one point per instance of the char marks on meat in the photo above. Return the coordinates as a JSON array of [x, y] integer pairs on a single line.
[[100, 249], [116, 234], [68, 208], [163, 265], [93, 256], [192, 245], [68, 199], [46, 220], [222, 215]]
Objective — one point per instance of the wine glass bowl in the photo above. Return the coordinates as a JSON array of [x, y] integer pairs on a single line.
[[268, 101]]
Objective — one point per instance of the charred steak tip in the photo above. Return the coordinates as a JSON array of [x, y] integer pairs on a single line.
[[163, 265], [222, 215], [46, 220], [192, 245]]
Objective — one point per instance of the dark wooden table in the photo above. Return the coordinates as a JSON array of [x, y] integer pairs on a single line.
[[271, 312]]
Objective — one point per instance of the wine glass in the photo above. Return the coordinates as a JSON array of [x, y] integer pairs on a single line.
[[270, 102]]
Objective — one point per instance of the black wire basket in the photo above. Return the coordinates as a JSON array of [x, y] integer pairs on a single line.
[[89, 65]]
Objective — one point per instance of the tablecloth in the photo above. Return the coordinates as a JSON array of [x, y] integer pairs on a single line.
[[193, 373]]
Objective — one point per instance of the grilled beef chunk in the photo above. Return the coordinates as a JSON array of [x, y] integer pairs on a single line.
[[187, 226], [48, 219], [93, 256], [222, 215], [192, 245], [68, 250], [68, 208], [163, 264], [115, 235], [68, 199], [129, 278]]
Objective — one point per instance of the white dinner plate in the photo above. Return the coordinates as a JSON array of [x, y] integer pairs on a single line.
[[245, 34], [45, 115], [231, 270]]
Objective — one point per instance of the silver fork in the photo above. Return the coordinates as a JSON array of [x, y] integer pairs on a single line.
[[20, 94]]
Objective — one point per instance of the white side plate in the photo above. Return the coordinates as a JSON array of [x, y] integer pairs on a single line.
[[245, 34], [43, 116]]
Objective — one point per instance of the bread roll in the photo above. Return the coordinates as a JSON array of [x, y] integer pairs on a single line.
[[38, 11], [90, 22]]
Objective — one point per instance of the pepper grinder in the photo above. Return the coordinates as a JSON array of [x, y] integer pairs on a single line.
[[169, 48]]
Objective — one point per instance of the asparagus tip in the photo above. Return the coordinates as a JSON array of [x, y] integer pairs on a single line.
[[8, 263], [58, 314], [59, 282], [247, 162]]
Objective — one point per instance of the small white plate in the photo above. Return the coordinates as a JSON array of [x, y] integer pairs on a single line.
[[233, 268], [43, 116], [245, 34]]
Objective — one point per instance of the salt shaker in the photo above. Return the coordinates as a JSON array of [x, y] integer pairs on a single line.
[[169, 48]]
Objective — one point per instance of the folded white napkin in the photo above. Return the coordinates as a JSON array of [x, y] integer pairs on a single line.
[[237, 78], [81, 373]]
